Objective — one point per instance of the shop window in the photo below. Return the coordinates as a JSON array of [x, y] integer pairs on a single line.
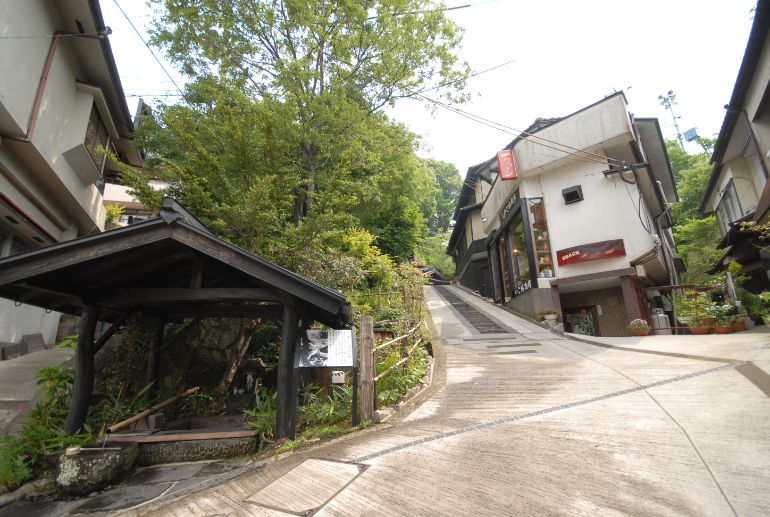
[[96, 138], [540, 238], [522, 276], [502, 244], [572, 194]]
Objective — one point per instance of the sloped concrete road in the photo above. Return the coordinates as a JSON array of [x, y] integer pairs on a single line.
[[520, 421]]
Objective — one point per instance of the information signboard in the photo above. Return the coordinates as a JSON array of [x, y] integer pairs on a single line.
[[322, 348]]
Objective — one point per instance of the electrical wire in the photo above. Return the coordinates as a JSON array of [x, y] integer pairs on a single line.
[[516, 132], [447, 83], [437, 10], [148, 47]]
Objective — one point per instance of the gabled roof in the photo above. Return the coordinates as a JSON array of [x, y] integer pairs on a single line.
[[754, 46], [159, 258]]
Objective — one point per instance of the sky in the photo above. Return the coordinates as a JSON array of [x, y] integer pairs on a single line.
[[566, 55]]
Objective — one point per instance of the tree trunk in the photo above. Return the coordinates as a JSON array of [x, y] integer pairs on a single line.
[[240, 347], [303, 199]]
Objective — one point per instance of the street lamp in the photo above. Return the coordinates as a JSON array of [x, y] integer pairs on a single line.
[[668, 102]]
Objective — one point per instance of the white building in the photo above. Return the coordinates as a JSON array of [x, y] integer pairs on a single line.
[[577, 230], [61, 106], [738, 189]]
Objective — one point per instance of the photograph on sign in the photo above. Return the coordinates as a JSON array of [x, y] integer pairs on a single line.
[[320, 348]]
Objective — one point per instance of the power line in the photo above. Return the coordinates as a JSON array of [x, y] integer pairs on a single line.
[[148, 47], [595, 157], [447, 83], [440, 9]]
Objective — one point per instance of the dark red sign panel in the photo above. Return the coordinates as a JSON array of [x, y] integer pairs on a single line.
[[507, 165], [593, 251]]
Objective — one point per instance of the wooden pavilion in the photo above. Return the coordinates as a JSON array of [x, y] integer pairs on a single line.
[[169, 267]]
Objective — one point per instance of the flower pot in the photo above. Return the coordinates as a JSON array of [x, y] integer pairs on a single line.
[[738, 325], [640, 332], [699, 330], [708, 320], [722, 329]]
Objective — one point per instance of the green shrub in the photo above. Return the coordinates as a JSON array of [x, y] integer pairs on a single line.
[[42, 436], [324, 410], [262, 417], [14, 467], [400, 380]]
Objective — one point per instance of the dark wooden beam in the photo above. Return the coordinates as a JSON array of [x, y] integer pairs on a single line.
[[116, 274], [61, 256], [284, 404], [61, 298], [196, 273], [170, 295], [84, 371], [265, 312], [270, 274], [110, 332], [153, 357], [180, 334]]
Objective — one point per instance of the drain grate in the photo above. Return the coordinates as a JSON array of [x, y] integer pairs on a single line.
[[474, 317]]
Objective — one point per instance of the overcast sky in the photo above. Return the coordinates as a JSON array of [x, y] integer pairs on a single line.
[[568, 54]]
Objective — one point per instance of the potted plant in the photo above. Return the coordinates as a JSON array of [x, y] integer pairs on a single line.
[[698, 306], [738, 323], [639, 327], [722, 325]]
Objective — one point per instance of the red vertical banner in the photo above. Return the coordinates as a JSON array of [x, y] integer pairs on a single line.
[[506, 165]]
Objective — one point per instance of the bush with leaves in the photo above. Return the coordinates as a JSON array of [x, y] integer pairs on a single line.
[[42, 436]]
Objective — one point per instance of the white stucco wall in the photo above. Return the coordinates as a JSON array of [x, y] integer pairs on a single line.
[[63, 113], [25, 319], [607, 212]]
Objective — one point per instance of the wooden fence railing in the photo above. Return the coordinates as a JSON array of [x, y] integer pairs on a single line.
[[368, 362]]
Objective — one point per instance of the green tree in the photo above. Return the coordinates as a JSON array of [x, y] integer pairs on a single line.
[[432, 252], [691, 173], [697, 241], [697, 235], [330, 62], [448, 183]]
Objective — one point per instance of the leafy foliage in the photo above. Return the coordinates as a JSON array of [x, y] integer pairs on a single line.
[[262, 417], [43, 433], [329, 64], [449, 183], [696, 235]]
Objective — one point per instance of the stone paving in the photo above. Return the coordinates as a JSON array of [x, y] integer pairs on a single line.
[[519, 422]]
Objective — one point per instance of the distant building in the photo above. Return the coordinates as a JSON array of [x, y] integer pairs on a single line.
[[574, 231], [738, 189], [61, 106], [467, 243]]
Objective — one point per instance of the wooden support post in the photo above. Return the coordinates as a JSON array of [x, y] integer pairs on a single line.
[[196, 273], [153, 357], [379, 299], [286, 377], [84, 371], [109, 333], [366, 362]]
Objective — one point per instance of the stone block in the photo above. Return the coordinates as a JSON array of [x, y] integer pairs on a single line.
[[33, 342], [195, 450], [92, 470], [11, 350]]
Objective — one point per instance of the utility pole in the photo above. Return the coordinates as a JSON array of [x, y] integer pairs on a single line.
[[668, 102]]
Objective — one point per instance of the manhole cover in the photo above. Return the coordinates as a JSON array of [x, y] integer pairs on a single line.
[[307, 486]]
